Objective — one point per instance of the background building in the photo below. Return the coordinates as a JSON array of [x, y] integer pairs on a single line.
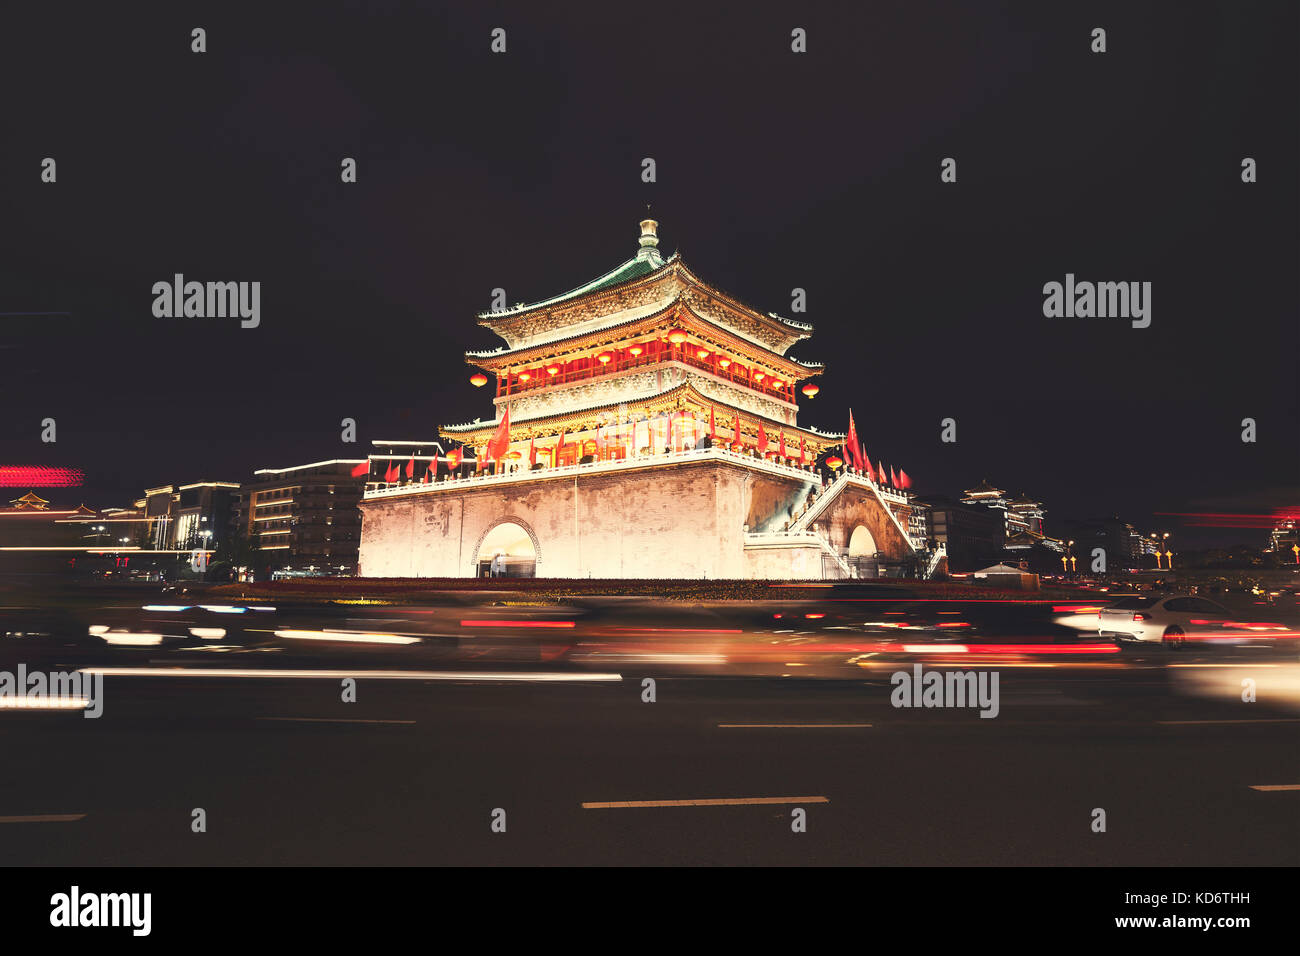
[[303, 520], [972, 535], [1024, 543], [1124, 546]]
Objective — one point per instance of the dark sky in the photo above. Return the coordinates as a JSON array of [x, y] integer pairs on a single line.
[[775, 170]]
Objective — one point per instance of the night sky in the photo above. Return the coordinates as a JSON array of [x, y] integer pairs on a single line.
[[775, 171]]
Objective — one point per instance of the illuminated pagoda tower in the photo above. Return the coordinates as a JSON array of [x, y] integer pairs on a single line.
[[646, 425], [609, 365]]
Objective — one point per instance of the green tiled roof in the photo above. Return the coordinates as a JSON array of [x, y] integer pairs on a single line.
[[634, 268]]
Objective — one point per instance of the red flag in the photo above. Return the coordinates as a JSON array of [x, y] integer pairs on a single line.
[[736, 440], [427, 472], [393, 473], [497, 446], [713, 428], [532, 451], [762, 439], [781, 449], [866, 465], [361, 469], [803, 455], [851, 442], [410, 468], [880, 472], [893, 476], [903, 480]]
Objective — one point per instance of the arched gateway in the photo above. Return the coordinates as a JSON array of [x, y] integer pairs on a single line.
[[861, 543], [508, 549]]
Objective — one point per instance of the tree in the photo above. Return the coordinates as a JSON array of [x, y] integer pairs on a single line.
[[237, 550]]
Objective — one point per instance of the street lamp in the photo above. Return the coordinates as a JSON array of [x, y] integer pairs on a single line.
[[206, 535]]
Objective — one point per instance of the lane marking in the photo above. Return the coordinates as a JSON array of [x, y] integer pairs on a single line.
[[1253, 720], [1276, 786], [45, 818], [792, 726], [336, 720], [276, 673], [721, 802]]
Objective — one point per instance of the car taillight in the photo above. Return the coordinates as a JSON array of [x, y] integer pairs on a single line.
[[1141, 617]]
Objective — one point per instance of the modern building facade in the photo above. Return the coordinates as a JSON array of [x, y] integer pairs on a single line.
[[971, 535], [303, 519], [185, 517]]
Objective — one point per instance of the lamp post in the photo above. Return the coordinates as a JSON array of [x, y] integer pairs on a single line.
[[1169, 555], [1157, 541], [206, 535]]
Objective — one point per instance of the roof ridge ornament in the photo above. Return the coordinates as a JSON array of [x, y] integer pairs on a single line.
[[649, 242]]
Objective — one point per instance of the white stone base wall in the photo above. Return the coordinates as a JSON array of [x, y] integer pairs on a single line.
[[684, 520]]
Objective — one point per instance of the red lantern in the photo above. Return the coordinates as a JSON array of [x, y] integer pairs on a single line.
[[834, 462], [524, 376], [604, 358], [810, 390], [724, 363], [677, 336], [552, 369], [635, 350], [478, 379], [702, 354]]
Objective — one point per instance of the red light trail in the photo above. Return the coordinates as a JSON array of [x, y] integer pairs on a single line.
[[40, 476]]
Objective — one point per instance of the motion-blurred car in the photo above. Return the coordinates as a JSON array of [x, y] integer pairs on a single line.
[[1158, 618], [185, 625]]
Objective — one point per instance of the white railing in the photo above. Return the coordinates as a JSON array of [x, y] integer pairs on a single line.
[[882, 493], [520, 475], [786, 539], [782, 538], [939, 554], [814, 511], [845, 568]]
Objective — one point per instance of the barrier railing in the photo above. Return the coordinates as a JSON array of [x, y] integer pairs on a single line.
[[519, 475]]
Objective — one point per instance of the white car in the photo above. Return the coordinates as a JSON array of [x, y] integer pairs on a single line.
[[1165, 619]]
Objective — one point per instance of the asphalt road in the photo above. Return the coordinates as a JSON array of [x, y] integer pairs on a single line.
[[411, 772]]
